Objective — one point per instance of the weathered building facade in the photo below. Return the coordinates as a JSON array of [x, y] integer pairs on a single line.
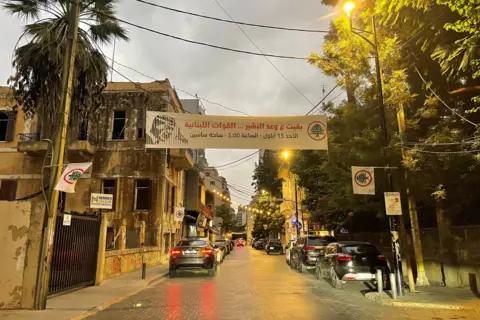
[[146, 185]]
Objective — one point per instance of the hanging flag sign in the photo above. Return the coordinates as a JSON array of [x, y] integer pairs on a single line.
[[179, 214], [70, 175], [393, 205], [193, 131], [363, 180]]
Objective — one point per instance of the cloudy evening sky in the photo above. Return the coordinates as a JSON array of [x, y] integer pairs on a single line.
[[238, 81]]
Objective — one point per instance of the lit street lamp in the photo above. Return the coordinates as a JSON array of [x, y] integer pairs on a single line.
[[349, 7]]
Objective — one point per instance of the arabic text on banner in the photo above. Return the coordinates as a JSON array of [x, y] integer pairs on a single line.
[[70, 176], [179, 130], [363, 180]]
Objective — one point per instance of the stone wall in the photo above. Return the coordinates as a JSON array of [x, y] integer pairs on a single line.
[[118, 262], [465, 255]]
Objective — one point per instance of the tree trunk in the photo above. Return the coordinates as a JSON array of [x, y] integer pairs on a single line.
[[446, 243]]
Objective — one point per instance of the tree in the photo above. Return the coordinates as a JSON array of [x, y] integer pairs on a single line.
[[265, 175], [223, 212], [37, 82]]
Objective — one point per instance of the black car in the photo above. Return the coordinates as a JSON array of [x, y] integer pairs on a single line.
[[274, 246], [351, 261], [307, 250], [193, 253], [259, 244]]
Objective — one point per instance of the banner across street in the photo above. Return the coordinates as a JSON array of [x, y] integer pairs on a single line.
[[178, 130]]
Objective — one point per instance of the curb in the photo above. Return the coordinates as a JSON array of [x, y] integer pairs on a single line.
[[107, 304], [379, 298]]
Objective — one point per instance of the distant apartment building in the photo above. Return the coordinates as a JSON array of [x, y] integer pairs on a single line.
[[195, 106], [241, 217]]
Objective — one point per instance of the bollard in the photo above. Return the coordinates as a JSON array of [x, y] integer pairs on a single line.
[[379, 281], [144, 270], [393, 285]]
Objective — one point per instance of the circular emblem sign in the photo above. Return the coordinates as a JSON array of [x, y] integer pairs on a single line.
[[289, 230], [179, 214], [363, 178], [317, 130], [72, 176]]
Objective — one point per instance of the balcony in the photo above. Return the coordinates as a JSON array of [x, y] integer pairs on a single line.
[[31, 144], [181, 158]]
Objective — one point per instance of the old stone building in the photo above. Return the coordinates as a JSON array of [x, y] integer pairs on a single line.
[[146, 185]]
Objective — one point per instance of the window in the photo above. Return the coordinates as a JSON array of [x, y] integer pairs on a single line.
[[83, 131], [119, 120], [142, 194], [319, 241], [8, 190], [192, 243], [207, 174], [223, 186], [109, 187], [212, 183], [7, 125], [141, 124], [170, 193]]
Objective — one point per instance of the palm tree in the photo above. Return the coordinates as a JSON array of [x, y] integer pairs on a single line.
[[37, 82]]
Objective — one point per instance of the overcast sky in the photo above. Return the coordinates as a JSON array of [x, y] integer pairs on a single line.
[[238, 81]]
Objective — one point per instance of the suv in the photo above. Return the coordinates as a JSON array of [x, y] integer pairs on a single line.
[[307, 250]]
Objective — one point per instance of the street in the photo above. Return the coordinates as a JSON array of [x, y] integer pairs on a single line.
[[252, 285]]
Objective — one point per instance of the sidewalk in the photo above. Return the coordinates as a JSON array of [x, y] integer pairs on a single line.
[[433, 297], [85, 302]]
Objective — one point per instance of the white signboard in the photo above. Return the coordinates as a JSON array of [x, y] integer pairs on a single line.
[[67, 219], [179, 130], [101, 201], [393, 205], [179, 214], [363, 180], [70, 176]]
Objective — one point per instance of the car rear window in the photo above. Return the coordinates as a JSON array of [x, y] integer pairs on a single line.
[[360, 249], [192, 243], [218, 241], [274, 241], [320, 241]]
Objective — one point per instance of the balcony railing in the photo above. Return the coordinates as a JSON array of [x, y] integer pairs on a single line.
[[29, 137]]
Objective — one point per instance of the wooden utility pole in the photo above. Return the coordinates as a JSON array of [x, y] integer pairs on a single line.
[[59, 143], [422, 279]]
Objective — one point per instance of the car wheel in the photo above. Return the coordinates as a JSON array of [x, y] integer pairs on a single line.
[[172, 273], [336, 283], [318, 272], [268, 252]]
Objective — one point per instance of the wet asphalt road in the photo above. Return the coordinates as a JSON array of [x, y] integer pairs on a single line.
[[252, 285]]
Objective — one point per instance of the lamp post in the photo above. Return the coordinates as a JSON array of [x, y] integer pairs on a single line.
[[286, 156], [349, 8]]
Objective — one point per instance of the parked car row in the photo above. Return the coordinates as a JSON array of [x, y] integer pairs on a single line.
[[338, 261], [198, 253], [269, 245]]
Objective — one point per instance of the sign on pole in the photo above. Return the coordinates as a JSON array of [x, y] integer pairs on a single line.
[[363, 180], [67, 219], [70, 176], [179, 214], [193, 131], [393, 205], [101, 201]]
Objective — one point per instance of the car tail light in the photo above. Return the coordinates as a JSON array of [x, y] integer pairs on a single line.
[[309, 248], [349, 278], [206, 251], [344, 257], [381, 257], [175, 252]]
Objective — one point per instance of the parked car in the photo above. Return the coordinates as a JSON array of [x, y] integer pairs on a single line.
[[274, 246], [222, 246], [225, 244], [351, 261], [259, 244], [307, 250], [288, 248], [193, 253], [240, 243], [253, 241]]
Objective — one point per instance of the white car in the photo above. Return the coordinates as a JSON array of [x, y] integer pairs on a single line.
[[288, 248]]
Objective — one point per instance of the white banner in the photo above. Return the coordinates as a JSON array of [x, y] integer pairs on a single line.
[[363, 180], [70, 176], [185, 131], [393, 205], [101, 201], [179, 214]]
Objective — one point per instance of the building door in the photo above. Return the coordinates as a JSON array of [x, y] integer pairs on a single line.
[[75, 248]]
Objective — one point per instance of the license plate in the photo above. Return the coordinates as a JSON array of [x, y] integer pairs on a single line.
[[189, 251], [272, 248], [313, 259]]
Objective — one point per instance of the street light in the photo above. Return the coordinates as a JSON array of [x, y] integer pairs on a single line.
[[348, 8], [286, 156]]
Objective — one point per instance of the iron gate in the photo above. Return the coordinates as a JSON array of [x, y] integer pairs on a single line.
[[75, 247]]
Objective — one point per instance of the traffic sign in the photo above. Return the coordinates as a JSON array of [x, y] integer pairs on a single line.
[[393, 205], [363, 180], [179, 214]]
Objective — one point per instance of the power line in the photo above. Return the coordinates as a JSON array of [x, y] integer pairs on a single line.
[[230, 163], [198, 42], [442, 152], [323, 99], [259, 50], [229, 21]]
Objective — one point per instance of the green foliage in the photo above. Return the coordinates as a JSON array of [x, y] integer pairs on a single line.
[[37, 81], [269, 215], [265, 175], [228, 221]]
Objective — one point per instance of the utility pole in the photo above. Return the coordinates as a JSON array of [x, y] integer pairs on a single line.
[[296, 208], [59, 143]]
